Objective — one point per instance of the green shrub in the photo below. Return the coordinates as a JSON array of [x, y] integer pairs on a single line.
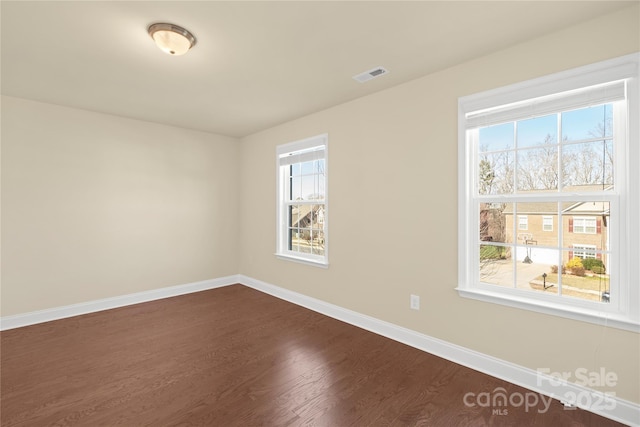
[[490, 252], [574, 262], [578, 271], [598, 270], [591, 263]]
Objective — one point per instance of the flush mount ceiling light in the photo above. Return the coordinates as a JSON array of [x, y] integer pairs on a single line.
[[172, 39]]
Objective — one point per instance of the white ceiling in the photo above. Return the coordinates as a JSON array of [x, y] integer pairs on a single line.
[[256, 64]]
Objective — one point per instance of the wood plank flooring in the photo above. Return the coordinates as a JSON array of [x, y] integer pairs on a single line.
[[234, 356]]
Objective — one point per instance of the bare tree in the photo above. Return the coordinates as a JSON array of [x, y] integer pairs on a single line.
[[538, 167], [582, 165]]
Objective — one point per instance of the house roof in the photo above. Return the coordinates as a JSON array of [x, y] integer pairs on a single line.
[[551, 208]]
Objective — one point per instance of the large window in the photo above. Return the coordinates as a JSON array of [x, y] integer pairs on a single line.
[[561, 149], [302, 201]]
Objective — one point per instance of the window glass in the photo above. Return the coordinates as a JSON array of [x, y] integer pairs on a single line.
[[547, 210], [302, 212]]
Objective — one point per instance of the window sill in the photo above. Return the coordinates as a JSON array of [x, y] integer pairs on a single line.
[[574, 313], [307, 261]]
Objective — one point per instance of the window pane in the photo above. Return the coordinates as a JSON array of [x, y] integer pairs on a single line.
[[495, 220], [494, 138], [307, 187], [317, 230], [318, 190], [295, 215], [300, 240], [588, 123], [585, 278], [541, 273], [296, 188], [306, 168], [585, 237], [496, 173], [321, 189], [293, 239], [496, 265], [531, 220], [586, 223], [295, 169], [537, 131], [587, 166], [534, 254], [537, 169]]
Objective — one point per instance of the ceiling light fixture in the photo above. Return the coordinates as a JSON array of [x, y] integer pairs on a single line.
[[172, 39]]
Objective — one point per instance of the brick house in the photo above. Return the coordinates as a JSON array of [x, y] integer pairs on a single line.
[[584, 231]]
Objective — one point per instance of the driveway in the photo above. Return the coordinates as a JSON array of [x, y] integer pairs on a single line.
[[501, 273]]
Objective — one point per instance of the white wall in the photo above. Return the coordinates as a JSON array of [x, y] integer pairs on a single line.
[[95, 206], [393, 210]]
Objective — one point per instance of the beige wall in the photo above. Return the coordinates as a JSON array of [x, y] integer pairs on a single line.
[[95, 206], [393, 210]]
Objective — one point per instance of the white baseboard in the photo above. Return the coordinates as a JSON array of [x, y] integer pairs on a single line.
[[591, 400], [26, 319], [617, 409]]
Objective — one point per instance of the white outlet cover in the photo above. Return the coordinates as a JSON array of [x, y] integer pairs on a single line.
[[415, 302]]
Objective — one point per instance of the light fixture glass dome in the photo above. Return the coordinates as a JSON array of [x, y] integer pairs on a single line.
[[172, 39]]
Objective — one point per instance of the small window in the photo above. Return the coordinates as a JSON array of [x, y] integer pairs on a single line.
[[585, 225], [547, 223], [584, 251], [523, 222], [302, 201]]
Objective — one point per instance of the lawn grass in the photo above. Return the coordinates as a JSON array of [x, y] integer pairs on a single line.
[[595, 283], [491, 252]]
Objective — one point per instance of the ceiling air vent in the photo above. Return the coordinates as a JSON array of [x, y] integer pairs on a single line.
[[371, 74]]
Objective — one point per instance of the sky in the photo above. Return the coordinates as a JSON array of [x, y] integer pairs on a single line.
[[576, 125]]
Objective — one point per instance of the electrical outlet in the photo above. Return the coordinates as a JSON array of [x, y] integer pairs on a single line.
[[415, 302]]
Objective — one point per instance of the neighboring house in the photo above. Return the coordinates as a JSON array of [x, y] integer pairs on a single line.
[[584, 231], [307, 222]]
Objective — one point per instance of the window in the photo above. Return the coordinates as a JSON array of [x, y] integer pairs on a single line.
[[559, 149], [523, 222], [584, 251], [302, 201], [584, 225]]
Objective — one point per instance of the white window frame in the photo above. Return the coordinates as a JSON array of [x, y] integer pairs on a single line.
[[317, 147], [584, 251], [585, 223], [510, 102], [547, 223]]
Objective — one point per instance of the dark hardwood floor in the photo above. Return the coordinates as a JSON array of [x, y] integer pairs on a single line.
[[234, 356]]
